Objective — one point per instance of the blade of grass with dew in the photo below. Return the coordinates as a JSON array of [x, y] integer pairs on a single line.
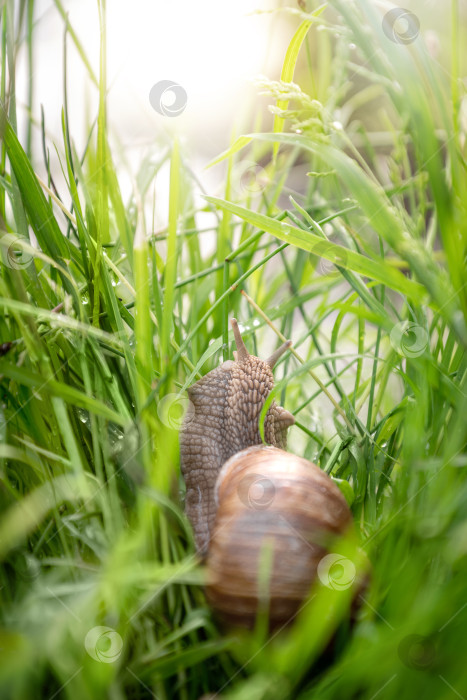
[[312, 243], [42, 219], [102, 202], [170, 269], [24, 516], [288, 69], [143, 335], [223, 250], [76, 41], [377, 207], [58, 389]]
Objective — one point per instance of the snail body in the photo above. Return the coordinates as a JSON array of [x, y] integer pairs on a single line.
[[262, 517], [227, 403]]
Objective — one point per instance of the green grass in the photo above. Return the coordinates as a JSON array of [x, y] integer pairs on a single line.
[[104, 324]]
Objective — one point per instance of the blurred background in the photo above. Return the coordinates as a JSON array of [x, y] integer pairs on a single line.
[[214, 50]]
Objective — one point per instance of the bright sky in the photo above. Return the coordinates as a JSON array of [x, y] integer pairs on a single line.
[[211, 48]]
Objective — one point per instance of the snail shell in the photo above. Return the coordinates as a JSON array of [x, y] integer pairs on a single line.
[[270, 503], [263, 517]]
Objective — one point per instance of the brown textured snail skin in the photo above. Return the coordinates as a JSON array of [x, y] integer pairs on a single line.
[[227, 403], [262, 517]]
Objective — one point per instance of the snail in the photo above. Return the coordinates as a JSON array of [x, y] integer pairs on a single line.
[[247, 501]]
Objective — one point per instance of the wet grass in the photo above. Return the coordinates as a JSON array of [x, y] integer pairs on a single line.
[[105, 323]]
